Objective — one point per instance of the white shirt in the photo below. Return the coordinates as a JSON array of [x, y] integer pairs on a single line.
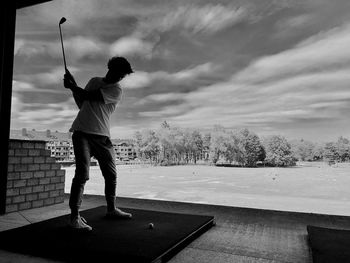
[[94, 116]]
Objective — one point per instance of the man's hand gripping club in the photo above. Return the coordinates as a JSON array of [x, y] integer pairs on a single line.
[[80, 94]]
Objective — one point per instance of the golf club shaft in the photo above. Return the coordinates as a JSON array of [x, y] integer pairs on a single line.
[[64, 56]]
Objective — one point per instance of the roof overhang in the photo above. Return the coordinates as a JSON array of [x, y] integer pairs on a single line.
[[26, 3]]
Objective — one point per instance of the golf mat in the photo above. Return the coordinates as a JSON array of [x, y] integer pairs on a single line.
[[121, 240], [329, 245]]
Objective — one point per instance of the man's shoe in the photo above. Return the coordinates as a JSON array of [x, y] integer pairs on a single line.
[[80, 224], [118, 214]]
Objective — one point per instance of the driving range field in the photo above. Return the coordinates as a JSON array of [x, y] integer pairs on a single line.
[[307, 187]]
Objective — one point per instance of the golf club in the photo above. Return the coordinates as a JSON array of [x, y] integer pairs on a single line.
[[63, 19]]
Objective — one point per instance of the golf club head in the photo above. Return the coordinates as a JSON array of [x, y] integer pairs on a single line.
[[63, 19]]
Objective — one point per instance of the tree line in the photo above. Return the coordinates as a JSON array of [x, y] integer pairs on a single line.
[[170, 145], [331, 152]]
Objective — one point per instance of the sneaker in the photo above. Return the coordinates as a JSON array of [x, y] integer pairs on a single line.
[[117, 213], [80, 223]]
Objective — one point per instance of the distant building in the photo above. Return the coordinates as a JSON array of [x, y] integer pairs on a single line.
[[61, 146], [61, 150], [59, 143], [124, 149]]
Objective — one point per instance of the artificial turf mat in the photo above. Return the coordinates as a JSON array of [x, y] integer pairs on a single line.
[[118, 240], [329, 245]]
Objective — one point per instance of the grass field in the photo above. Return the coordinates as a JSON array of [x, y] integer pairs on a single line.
[[308, 187]]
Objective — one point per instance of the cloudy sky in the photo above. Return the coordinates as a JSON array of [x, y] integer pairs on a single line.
[[272, 66]]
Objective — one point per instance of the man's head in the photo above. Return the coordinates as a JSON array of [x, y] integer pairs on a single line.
[[118, 68]]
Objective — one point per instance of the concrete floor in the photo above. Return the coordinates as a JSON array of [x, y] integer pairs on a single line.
[[241, 234]]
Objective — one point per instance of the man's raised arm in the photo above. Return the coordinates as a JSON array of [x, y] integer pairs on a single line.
[[80, 94]]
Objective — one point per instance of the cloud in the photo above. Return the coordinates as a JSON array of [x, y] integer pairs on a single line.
[[124, 131], [19, 43], [289, 27], [131, 45], [54, 76], [23, 86], [80, 46], [42, 115], [81, 12], [193, 15], [280, 83], [303, 87], [16, 106], [75, 11], [295, 22], [139, 79], [207, 18], [160, 98], [142, 79], [29, 48], [194, 72], [309, 83], [165, 112], [76, 48], [202, 19], [19, 86], [323, 51], [235, 104]]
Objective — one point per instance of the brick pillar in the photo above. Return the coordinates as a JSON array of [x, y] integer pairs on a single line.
[[34, 178]]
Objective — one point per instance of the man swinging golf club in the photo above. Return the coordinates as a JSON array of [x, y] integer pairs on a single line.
[[91, 136]]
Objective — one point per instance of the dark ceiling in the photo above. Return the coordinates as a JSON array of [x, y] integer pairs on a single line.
[[25, 3]]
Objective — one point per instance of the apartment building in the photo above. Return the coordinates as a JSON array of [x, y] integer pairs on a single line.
[[124, 149], [61, 146], [59, 143], [61, 150]]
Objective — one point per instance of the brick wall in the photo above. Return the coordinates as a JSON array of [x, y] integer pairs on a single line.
[[34, 178]]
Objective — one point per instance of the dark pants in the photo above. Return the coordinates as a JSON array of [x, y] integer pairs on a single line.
[[85, 146]]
